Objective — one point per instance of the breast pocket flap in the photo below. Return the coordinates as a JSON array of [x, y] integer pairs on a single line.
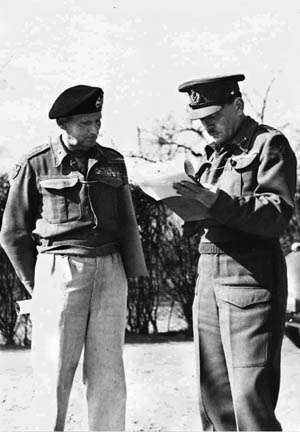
[[114, 182], [58, 183], [243, 161], [244, 298]]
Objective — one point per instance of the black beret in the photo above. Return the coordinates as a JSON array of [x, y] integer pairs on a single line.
[[80, 99], [208, 95]]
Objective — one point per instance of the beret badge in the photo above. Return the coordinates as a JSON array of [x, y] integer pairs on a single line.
[[79, 99], [98, 102]]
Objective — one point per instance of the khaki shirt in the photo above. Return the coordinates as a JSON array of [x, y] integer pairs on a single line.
[[51, 202]]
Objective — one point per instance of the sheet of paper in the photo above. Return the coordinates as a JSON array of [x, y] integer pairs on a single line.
[[160, 188]]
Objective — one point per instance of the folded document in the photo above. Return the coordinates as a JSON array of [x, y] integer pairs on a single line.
[[161, 189]]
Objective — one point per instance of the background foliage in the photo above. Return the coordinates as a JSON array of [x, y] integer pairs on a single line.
[[171, 258]]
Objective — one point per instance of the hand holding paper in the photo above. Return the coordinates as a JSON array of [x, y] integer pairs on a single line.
[[196, 192], [178, 193]]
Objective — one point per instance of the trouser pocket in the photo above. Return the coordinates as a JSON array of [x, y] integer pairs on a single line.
[[245, 324]]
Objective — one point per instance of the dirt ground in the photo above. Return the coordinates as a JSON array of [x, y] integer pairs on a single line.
[[161, 387]]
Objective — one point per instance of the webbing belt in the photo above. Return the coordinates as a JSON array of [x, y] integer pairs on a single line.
[[226, 247]]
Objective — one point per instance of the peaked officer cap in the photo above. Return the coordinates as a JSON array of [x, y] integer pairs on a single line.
[[80, 99], [208, 95]]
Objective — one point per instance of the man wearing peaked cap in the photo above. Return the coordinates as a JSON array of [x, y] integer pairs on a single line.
[[70, 232], [208, 95], [245, 189]]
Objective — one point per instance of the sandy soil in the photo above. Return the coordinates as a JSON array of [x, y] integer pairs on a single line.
[[161, 389]]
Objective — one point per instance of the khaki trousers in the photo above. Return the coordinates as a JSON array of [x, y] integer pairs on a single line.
[[79, 302], [239, 312]]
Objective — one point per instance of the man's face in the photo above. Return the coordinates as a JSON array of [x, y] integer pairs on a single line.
[[223, 124], [82, 131]]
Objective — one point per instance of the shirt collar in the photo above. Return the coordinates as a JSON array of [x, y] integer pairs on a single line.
[[60, 152], [243, 137], [240, 141]]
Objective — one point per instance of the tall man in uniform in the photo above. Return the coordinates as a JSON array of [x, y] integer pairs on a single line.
[[246, 188], [70, 231]]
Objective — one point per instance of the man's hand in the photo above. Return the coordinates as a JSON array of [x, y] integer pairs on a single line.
[[205, 194]]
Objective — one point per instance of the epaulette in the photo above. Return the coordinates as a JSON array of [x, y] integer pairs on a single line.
[[36, 151], [268, 128], [111, 151]]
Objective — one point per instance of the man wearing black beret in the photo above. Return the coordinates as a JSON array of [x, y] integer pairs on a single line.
[[70, 232], [246, 184]]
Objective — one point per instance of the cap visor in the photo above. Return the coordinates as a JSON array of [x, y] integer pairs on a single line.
[[203, 112]]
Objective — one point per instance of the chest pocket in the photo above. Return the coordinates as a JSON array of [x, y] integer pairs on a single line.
[[114, 182], [243, 162], [104, 197], [61, 199], [245, 166]]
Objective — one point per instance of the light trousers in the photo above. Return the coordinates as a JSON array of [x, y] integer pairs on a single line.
[[79, 302]]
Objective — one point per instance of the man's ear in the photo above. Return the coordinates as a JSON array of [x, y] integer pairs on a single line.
[[239, 106]]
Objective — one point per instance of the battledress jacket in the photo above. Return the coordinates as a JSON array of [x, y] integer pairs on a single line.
[[255, 175], [52, 206]]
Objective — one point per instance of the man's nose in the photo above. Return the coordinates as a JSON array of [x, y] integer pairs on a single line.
[[94, 129]]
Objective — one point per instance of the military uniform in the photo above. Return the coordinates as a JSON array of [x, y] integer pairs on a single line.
[[53, 207], [241, 289], [70, 231]]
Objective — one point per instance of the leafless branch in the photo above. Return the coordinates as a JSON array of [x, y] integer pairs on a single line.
[[245, 96], [6, 63], [285, 125], [182, 146], [191, 129], [140, 156], [265, 100]]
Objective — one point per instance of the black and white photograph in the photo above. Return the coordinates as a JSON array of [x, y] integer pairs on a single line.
[[149, 215]]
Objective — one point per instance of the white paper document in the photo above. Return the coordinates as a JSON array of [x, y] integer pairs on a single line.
[[160, 188]]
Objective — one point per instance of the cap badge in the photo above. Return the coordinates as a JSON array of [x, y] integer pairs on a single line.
[[98, 102], [195, 97]]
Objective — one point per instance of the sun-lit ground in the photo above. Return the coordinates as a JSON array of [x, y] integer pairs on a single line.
[[161, 386]]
